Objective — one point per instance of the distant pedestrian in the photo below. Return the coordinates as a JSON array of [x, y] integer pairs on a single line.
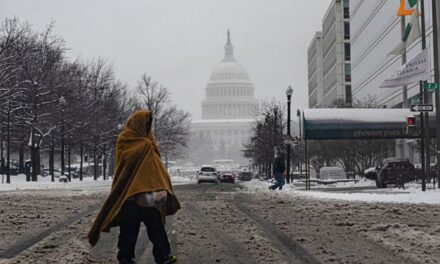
[[141, 193], [278, 169]]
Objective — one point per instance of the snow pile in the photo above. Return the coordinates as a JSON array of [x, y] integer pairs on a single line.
[[393, 196], [369, 115], [412, 194], [178, 180], [341, 184], [19, 183]]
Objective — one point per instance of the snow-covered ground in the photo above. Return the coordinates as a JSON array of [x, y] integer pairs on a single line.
[[19, 183], [177, 180], [412, 194], [331, 229]]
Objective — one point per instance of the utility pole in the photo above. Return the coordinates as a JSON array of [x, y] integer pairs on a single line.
[[435, 24], [424, 117]]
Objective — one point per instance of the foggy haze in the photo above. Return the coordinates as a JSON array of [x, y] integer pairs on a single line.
[[178, 43]]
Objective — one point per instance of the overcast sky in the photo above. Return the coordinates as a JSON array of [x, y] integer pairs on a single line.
[[179, 42]]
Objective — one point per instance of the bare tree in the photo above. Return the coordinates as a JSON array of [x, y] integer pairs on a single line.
[[43, 57], [14, 38], [171, 125], [45, 98], [267, 133]]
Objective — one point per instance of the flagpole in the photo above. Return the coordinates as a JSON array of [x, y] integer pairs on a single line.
[[405, 87]]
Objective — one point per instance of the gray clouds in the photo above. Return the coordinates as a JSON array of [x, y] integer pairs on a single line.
[[179, 42]]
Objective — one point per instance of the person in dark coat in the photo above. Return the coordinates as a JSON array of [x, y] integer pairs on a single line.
[[278, 169]]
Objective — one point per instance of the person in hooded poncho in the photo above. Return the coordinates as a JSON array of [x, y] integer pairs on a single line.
[[139, 177]]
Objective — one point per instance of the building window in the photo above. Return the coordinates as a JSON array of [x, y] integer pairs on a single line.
[[347, 51], [348, 99], [346, 9], [347, 72], [346, 30]]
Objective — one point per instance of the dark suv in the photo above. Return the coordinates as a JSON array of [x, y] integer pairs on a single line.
[[245, 175], [395, 171]]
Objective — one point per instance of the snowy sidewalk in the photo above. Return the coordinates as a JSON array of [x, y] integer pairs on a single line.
[[412, 194], [19, 183]]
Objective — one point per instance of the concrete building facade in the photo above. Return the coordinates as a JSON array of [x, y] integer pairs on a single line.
[[336, 54], [375, 31], [314, 58]]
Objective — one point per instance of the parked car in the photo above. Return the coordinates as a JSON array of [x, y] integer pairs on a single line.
[[56, 173], [74, 172], [227, 177], [245, 175], [371, 173], [207, 173], [63, 178], [395, 171]]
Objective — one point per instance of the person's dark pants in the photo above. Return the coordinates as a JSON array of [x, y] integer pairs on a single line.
[[279, 178], [131, 217]]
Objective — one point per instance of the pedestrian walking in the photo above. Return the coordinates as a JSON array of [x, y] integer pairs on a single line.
[[141, 193], [278, 169]]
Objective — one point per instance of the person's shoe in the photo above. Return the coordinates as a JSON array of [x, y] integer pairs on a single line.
[[170, 259], [127, 261]]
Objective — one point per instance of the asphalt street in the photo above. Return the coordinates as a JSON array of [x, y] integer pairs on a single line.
[[226, 223]]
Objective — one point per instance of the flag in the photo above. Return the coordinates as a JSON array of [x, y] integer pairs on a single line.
[[412, 3], [414, 33], [398, 49], [409, 36], [415, 70], [403, 11]]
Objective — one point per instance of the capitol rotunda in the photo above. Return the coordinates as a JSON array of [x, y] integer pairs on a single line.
[[228, 110]]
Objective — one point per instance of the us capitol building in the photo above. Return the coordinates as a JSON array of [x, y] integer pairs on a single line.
[[228, 112]]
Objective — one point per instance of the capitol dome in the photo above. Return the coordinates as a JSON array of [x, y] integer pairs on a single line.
[[228, 113], [229, 92], [229, 71]]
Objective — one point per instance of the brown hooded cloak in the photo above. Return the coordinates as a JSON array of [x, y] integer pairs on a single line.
[[138, 169]]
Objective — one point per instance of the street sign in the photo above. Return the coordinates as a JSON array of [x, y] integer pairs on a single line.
[[422, 108], [431, 86]]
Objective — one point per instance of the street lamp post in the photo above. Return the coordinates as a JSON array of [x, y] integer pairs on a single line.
[[289, 93], [298, 114], [62, 101], [275, 134], [275, 128]]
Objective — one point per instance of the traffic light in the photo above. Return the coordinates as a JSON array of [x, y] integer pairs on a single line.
[[411, 121], [411, 124]]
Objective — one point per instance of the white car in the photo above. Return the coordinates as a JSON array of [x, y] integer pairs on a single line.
[[207, 173]]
